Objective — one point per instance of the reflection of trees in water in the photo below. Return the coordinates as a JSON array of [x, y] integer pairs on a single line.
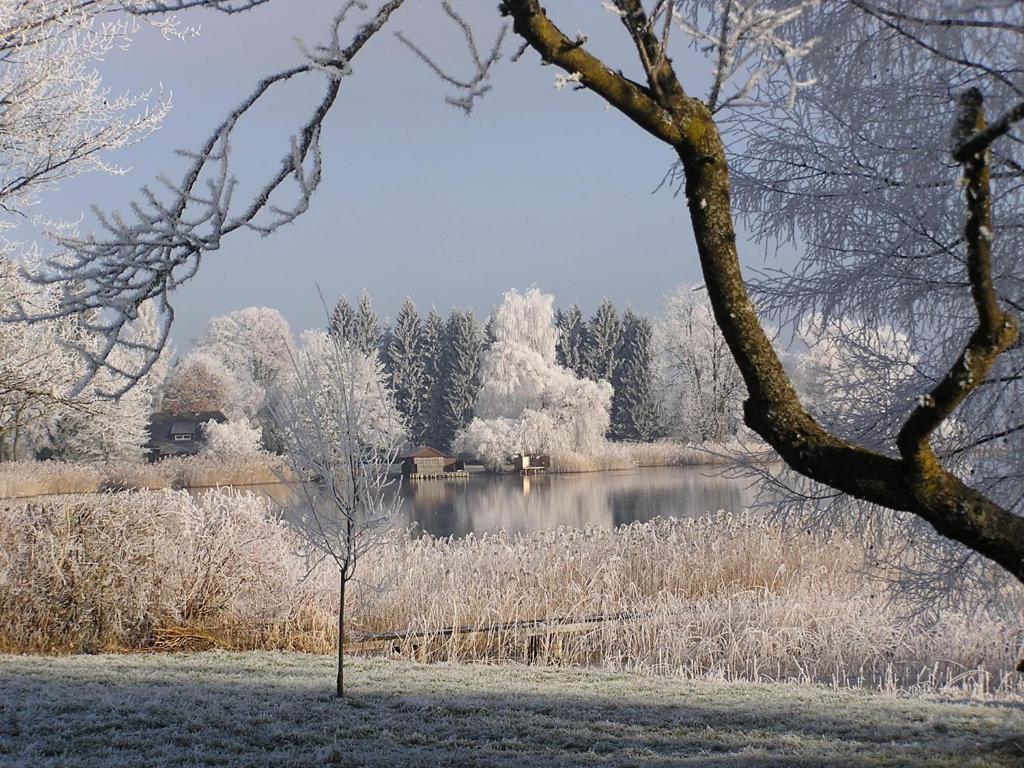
[[515, 504], [490, 503]]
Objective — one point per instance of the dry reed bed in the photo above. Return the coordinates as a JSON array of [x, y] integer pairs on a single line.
[[724, 597], [664, 453], [23, 479]]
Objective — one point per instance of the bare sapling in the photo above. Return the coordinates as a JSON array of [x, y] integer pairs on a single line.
[[342, 435]]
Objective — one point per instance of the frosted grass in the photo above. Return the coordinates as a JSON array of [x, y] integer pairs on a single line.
[[277, 709]]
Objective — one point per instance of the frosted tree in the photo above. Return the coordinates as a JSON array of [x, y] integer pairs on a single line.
[[702, 387], [313, 371], [37, 372], [432, 352], [36, 369], [255, 344], [406, 367], [603, 341], [237, 439], [342, 320], [366, 326], [460, 375], [571, 345], [851, 368], [527, 402], [59, 119], [343, 432], [106, 429], [202, 382], [635, 408]]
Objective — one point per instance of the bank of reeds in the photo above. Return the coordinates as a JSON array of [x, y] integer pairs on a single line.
[[21, 479], [727, 596], [663, 453]]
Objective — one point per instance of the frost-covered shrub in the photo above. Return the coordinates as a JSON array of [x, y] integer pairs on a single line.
[[94, 571], [527, 402], [232, 439], [201, 382]]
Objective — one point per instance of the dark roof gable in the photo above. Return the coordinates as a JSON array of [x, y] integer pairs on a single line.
[[420, 452]]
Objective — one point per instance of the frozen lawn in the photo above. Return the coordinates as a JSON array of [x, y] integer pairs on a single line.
[[276, 709]]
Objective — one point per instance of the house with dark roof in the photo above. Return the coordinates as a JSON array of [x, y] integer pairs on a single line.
[[178, 434]]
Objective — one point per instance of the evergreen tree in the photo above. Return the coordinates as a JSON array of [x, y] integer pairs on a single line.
[[366, 334], [489, 331], [342, 320], [635, 411], [463, 347], [572, 330], [405, 366], [432, 354], [603, 343]]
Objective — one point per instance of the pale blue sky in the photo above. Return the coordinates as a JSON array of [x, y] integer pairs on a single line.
[[537, 186]]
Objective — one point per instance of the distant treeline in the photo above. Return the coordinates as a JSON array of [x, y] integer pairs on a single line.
[[433, 364]]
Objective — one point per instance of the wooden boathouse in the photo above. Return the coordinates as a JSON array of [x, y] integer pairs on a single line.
[[424, 462]]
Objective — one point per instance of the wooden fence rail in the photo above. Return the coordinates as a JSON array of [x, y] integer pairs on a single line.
[[552, 626]]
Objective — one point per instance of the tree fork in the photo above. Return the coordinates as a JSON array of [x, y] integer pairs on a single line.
[[773, 409]]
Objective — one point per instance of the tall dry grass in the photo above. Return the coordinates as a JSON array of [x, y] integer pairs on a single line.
[[731, 597], [663, 453], [22, 479]]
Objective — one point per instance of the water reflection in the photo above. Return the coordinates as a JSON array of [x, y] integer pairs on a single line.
[[490, 503]]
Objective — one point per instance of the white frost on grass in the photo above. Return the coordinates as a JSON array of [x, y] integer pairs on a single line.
[[277, 709]]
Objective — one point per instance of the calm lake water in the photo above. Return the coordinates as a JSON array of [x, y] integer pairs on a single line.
[[488, 503]]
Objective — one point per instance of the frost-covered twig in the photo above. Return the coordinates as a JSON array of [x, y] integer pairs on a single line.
[[104, 278]]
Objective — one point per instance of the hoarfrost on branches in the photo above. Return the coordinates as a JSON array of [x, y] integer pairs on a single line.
[[702, 388], [527, 402], [105, 277], [342, 433], [236, 439], [202, 382]]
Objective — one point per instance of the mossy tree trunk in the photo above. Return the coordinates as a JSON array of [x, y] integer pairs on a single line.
[[913, 481]]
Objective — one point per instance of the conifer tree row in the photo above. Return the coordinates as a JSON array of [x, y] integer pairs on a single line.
[[433, 365]]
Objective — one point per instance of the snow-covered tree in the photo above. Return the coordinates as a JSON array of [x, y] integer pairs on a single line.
[[406, 367], [37, 374], [236, 439], [432, 352], [255, 344], [847, 360], [603, 343], [572, 336], [59, 120], [362, 374], [99, 428], [366, 326], [460, 375], [342, 320], [702, 387], [635, 409], [36, 370], [343, 432], [527, 402], [202, 382]]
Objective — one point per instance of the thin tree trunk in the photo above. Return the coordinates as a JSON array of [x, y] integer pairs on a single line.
[[341, 635]]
